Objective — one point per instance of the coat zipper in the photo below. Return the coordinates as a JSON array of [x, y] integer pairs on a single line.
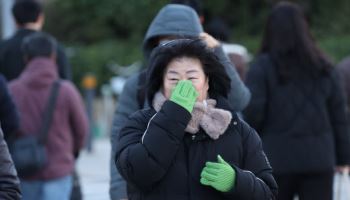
[[144, 133]]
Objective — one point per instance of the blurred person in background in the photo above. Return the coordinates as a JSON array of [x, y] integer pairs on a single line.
[[69, 126], [9, 119], [29, 18], [190, 144], [298, 107], [9, 182], [172, 21]]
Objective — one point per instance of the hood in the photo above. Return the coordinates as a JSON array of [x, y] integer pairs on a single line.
[[39, 72], [175, 20]]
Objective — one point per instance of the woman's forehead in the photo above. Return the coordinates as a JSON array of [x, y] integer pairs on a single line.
[[184, 65], [185, 62]]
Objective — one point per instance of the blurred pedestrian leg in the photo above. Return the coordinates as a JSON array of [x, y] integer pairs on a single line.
[[89, 83], [56, 189], [306, 185]]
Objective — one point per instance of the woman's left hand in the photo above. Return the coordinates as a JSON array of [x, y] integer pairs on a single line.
[[220, 175]]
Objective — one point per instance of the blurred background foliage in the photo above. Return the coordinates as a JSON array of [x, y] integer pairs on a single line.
[[98, 33]]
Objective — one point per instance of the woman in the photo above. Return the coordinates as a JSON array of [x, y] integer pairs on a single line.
[[298, 107], [171, 22], [189, 145]]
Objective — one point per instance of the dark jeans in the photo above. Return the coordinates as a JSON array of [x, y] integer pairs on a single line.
[[309, 186]]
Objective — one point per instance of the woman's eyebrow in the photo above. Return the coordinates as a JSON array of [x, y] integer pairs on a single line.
[[192, 71], [172, 72]]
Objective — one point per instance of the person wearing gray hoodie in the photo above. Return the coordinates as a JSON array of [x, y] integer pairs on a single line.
[[172, 21]]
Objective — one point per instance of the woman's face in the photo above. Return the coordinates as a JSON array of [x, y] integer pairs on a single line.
[[185, 68]]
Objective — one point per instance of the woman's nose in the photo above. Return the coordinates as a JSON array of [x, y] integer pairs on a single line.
[[186, 79]]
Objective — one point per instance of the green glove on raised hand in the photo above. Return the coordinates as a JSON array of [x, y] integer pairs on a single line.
[[184, 94], [220, 175]]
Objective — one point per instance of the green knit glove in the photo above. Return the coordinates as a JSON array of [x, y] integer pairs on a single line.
[[184, 94], [220, 175]]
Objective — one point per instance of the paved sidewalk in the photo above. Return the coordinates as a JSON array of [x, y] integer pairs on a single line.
[[93, 169]]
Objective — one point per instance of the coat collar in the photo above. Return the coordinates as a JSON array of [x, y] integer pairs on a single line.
[[22, 32]]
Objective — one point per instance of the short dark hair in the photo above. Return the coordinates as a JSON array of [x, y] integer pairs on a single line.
[[219, 82], [39, 44], [26, 11]]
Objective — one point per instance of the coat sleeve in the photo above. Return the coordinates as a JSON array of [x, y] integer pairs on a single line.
[[147, 148], [9, 118], [344, 74], [239, 95], [127, 104], [9, 182], [337, 110], [255, 112], [254, 180]]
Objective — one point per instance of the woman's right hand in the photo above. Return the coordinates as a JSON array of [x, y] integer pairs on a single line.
[[184, 94]]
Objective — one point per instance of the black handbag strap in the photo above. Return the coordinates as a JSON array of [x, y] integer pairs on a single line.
[[48, 114]]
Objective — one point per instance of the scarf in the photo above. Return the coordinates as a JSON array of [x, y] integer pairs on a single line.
[[213, 121]]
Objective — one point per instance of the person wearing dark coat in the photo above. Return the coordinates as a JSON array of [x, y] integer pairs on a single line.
[[172, 21], [190, 144], [9, 182], [29, 18], [298, 108], [9, 118]]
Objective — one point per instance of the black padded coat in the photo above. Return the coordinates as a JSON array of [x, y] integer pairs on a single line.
[[160, 161]]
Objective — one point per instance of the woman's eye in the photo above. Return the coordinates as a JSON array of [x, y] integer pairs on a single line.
[[173, 79], [192, 78]]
